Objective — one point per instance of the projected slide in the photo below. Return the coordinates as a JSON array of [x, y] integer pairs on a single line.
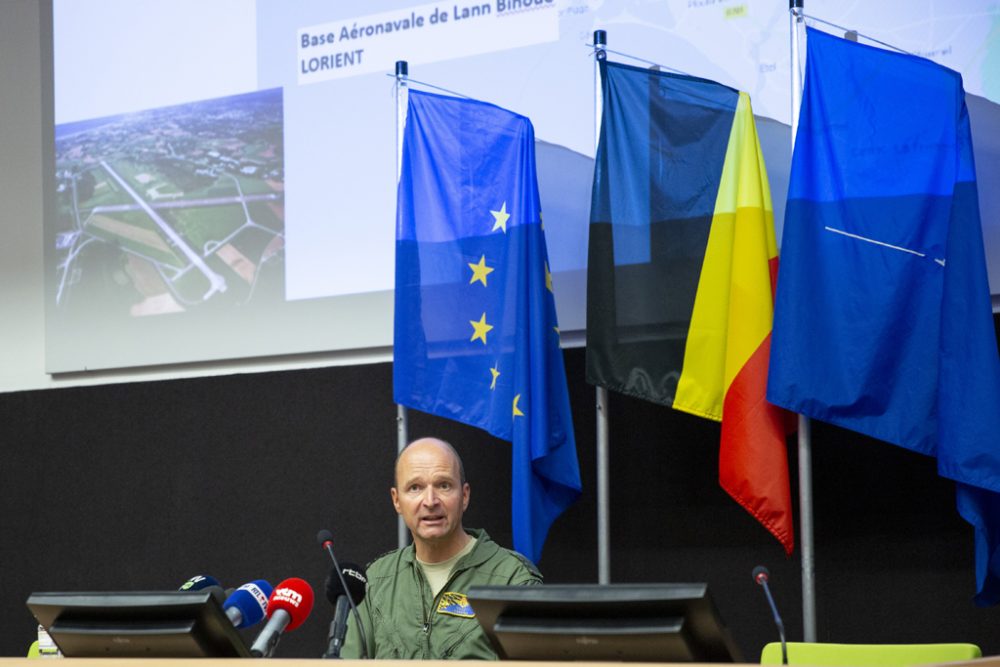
[[223, 177]]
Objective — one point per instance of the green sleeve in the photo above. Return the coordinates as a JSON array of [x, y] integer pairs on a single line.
[[352, 643]]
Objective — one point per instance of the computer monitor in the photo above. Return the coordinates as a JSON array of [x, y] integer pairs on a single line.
[[619, 622], [168, 624]]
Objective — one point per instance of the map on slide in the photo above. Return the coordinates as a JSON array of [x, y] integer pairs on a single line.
[[162, 210]]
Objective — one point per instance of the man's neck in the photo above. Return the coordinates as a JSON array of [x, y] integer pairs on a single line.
[[437, 552]]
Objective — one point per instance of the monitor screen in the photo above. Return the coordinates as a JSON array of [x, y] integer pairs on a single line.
[[619, 622], [168, 624]]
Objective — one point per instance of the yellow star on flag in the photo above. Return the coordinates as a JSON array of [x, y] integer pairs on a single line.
[[517, 410], [548, 278], [480, 329], [500, 218], [495, 373], [480, 271]]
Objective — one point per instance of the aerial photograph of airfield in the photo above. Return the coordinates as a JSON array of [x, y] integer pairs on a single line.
[[166, 210]]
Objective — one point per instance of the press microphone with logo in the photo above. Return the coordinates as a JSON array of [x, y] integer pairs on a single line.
[[287, 608], [760, 577], [198, 582], [341, 598], [248, 603], [325, 539], [201, 582]]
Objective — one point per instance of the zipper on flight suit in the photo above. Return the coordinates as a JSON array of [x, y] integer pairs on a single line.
[[434, 603], [454, 575]]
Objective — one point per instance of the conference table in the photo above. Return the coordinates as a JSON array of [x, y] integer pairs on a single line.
[[293, 662], [990, 661]]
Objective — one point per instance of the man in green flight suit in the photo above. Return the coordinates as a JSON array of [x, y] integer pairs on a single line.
[[415, 606]]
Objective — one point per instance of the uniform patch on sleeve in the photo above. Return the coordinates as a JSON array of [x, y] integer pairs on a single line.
[[455, 604]]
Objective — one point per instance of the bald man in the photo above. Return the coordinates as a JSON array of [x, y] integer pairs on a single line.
[[415, 606]]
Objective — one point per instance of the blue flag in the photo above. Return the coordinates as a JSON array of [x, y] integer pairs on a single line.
[[882, 319], [476, 337]]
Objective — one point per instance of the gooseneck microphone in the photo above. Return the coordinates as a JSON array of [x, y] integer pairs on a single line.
[[287, 608], [760, 577], [325, 539], [340, 597], [248, 603]]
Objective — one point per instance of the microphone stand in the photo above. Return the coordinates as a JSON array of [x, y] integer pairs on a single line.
[[760, 576], [325, 540]]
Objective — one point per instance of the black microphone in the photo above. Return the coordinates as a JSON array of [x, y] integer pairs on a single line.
[[341, 598], [325, 539], [760, 577]]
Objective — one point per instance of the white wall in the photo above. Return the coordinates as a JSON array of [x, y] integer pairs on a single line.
[[21, 303]]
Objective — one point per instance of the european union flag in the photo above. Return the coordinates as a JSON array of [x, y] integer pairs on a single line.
[[882, 319], [476, 337]]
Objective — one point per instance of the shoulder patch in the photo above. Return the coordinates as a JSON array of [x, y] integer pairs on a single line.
[[380, 557], [455, 604], [385, 565], [527, 563]]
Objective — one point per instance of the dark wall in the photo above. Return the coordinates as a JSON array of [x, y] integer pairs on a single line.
[[140, 486]]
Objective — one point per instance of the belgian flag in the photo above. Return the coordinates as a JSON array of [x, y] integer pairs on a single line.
[[682, 270]]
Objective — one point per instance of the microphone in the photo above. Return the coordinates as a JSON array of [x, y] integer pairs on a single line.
[[203, 581], [248, 603], [198, 582], [287, 608], [341, 598], [325, 539], [760, 577]]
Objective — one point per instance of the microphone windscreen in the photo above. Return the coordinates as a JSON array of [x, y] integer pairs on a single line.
[[198, 582], [354, 577], [324, 536], [760, 574], [295, 596], [251, 600]]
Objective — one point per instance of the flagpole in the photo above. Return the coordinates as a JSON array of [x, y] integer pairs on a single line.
[[796, 13], [603, 501], [402, 427]]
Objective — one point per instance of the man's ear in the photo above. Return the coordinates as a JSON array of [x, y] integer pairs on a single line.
[[465, 496], [395, 499]]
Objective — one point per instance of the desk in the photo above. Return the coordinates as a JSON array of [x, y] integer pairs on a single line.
[[293, 662], [991, 661]]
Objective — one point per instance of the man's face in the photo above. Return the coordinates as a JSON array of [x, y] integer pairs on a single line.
[[429, 494]]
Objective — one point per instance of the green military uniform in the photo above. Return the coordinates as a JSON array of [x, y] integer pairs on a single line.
[[404, 620]]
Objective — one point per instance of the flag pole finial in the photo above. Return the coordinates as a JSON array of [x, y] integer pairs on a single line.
[[600, 44]]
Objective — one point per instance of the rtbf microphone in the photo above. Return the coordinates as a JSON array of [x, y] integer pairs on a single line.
[[287, 608], [325, 539], [341, 598], [761, 577], [248, 603]]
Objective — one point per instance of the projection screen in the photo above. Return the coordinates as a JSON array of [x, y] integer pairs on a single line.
[[223, 178]]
